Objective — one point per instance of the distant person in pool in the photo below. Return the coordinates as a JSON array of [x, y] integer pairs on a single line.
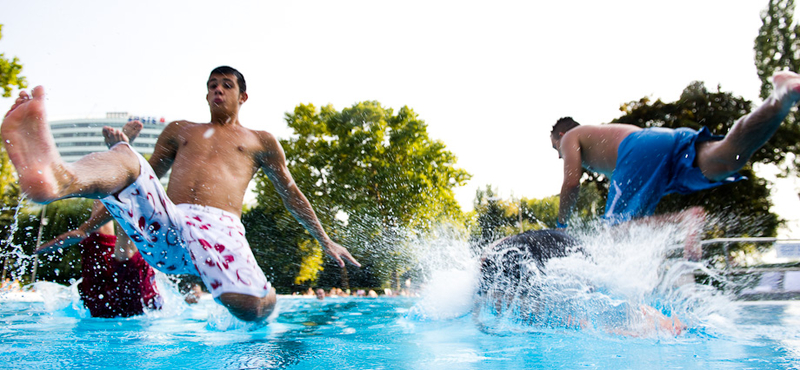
[[194, 227], [508, 265], [643, 165]]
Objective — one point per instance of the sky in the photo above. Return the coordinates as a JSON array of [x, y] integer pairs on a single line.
[[488, 78]]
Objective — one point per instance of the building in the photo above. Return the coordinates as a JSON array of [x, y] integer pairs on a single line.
[[76, 138]]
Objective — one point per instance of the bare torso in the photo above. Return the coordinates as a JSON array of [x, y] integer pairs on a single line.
[[213, 164], [599, 145]]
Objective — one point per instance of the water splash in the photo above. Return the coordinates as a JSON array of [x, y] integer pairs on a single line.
[[450, 274], [15, 261], [627, 282]]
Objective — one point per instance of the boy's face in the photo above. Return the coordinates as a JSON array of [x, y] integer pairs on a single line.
[[223, 93]]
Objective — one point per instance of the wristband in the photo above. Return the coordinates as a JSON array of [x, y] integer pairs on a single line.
[[560, 225]]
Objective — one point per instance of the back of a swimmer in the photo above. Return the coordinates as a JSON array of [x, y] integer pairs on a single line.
[[503, 259], [505, 269]]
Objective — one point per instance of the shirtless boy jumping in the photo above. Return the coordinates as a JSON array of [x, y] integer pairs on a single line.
[[646, 164], [194, 227]]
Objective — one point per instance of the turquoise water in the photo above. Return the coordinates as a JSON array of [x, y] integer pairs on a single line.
[[377, 333], [50, 329]]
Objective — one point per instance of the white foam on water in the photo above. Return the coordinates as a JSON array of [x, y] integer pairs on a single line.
[[448, 294], [610, 289], [450, 277]]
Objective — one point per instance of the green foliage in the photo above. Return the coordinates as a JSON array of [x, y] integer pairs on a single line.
[[62, 216], [310, 265], [274, 236], [371, 175], [9, 72], [492, 217], [777, 47], [497, 218], [367, 161], [9, 193], [9, 189], [541, 213]]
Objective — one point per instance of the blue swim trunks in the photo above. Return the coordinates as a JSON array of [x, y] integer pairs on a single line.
[[652, 163]]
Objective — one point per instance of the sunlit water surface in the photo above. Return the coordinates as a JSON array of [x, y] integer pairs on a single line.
[[359, 333], [437, 330]]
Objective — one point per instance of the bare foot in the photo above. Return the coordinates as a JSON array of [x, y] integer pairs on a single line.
[[671, 325], [128, 133], [30, 146], [113, 136], [787, 84], [132, 129]]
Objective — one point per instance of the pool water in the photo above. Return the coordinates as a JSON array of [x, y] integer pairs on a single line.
[[443, 328], [374, 333]]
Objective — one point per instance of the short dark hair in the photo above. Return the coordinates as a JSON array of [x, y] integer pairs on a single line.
[[563, 124], [226, 70], [507, 264]]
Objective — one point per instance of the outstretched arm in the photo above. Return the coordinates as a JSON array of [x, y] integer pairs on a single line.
[[273, 162], [99, 217], [573, 169]]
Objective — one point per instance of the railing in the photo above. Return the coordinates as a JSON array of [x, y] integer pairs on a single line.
[[728, 241], [774, 283]]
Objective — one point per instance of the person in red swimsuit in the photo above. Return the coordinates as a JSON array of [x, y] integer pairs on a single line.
[[117, 282]]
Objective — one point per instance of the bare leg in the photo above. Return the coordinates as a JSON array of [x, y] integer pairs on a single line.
[[657, 320], [43, 175], [653, 322], [124, 249], [720, 159], [247, 307], [692, 220]]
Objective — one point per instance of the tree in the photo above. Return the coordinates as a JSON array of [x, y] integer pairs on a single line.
[[9, 72], [373, 176], [777, 47], [9, 193], [496, 218], [9, 189], [491, 218]]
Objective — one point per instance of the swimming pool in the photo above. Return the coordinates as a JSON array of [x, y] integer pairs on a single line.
[[438, 330], [374, 333]]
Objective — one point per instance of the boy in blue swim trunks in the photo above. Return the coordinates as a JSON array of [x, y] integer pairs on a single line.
[[646, 164], [193, 227]]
